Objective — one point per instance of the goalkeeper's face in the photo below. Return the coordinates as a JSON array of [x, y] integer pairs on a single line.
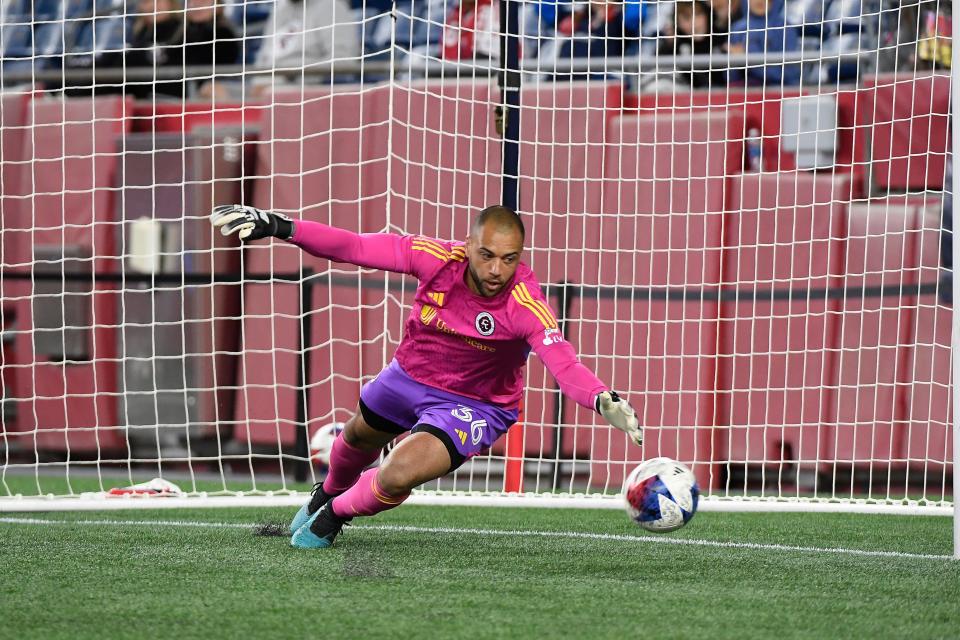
[[493, 253]]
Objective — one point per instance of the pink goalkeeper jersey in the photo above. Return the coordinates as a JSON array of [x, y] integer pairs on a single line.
[[455, 339]]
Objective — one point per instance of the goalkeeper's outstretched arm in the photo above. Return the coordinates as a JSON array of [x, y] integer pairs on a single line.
[[582, 385], [386, 251]]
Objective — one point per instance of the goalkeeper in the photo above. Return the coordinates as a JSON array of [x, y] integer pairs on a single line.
[[455, 382]]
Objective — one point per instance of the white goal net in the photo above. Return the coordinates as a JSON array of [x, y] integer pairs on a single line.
[[740, 211]]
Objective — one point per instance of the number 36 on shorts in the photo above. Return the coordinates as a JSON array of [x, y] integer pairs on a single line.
[[465, 414]]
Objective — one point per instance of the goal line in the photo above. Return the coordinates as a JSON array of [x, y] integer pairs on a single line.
[[436, 498]]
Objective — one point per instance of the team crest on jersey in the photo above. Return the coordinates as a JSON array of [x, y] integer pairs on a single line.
[[551, 336], [484, 323]]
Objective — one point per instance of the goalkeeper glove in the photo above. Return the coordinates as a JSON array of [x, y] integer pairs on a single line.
[[619, 414], [252, 223]]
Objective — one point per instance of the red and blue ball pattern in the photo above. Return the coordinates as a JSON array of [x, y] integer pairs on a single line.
[[661, 495]]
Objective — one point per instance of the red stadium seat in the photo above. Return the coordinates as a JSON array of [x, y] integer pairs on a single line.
[[661, 234], [14, 196], [909, 116], [266, 403], [442, 138], [926, 388], [14, 236], [563, 128], [175, 117], [784, 233], [873, 332], [73, 156], [312, 165], [444, 156]]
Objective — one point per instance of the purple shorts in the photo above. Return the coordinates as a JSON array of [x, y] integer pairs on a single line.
[[396, 403]]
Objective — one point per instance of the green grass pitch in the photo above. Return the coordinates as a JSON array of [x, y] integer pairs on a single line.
[[454, 572]]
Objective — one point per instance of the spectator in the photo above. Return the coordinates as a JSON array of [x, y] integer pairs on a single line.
[[725, 14], [471, 31], [933, 42], [156, 25], [555, 29], [301, 33], [598, 30], [156, 35], [210, 37], [690, 35], [164, 34], [763, 30], [539, 22], [157, 28]]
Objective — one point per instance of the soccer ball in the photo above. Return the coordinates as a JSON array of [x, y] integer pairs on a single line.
[[661, 495], [322, 442]]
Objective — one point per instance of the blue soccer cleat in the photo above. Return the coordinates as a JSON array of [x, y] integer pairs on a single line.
[[320, 530], [318, 498], [300, 518]]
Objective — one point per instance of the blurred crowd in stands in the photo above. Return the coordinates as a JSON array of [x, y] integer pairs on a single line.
[[296, 35]]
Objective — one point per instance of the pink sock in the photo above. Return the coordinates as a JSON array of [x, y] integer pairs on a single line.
[[346, 464], [365, 498]]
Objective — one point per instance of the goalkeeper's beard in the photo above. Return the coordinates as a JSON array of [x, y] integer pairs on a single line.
[[479, 284]]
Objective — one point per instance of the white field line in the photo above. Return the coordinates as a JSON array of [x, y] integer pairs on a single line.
[[508, 533]]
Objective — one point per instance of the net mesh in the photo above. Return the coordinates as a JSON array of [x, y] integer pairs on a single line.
[[739, 211]]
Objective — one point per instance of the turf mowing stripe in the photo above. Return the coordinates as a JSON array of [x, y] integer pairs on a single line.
[[513, 533]]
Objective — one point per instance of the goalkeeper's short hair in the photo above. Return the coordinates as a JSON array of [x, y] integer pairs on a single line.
[[502, 216]]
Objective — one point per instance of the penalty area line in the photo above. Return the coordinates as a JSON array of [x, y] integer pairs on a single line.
[[513, 533]]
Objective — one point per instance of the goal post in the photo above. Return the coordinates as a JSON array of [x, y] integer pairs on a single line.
[[746, 244], [955, 334]]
